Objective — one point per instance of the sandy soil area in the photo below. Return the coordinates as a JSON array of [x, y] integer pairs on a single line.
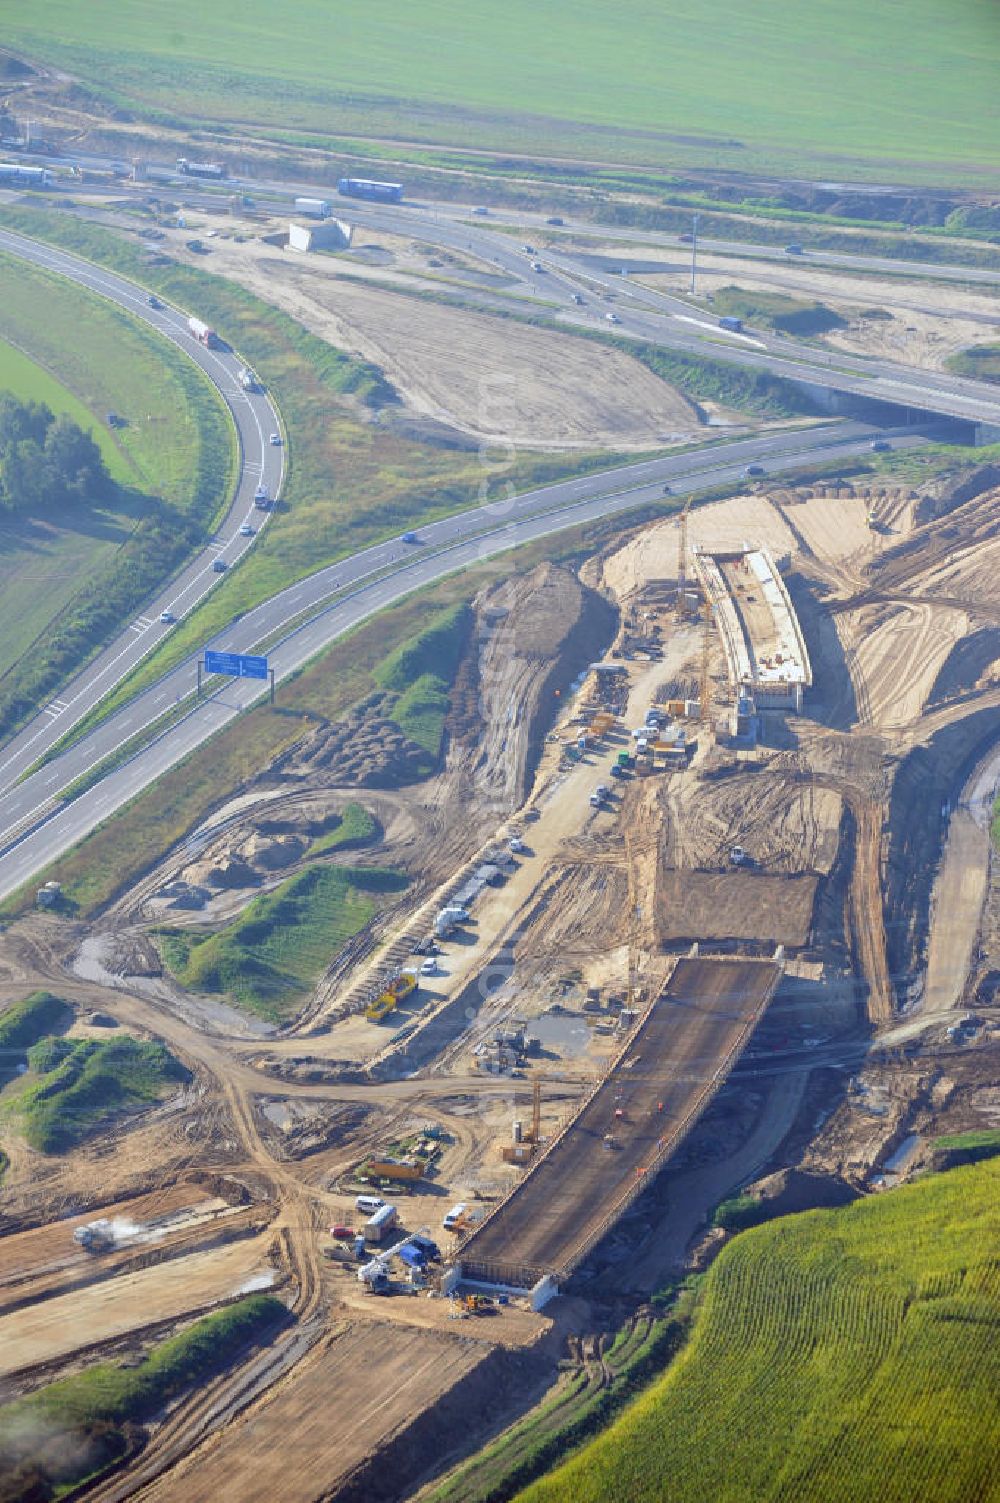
[[492, 378], [899, 658], [929, 322], [333, 1410], [652, 553], [71, 1321]]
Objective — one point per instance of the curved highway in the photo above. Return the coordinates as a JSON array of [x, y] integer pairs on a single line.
[[360, 586], [260, 462]]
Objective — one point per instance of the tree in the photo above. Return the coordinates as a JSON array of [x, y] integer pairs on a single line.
[[46, 461]]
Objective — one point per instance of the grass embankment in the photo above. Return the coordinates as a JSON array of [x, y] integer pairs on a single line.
[[70, 579], [269, 958], [350, 482], [420, 672], [772, 88], [77, 1086], [24, 1023], [77, 1427], [848, 1356], [773, 310], [740, 388], [352, 827], [981, 362], [580, 1403]]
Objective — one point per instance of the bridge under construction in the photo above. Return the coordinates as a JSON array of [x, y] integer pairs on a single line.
[[628, 1128]]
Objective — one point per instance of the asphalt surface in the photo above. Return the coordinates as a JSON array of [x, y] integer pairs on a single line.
[[659, 318], [255, 417], [676, 1060], [34, 827], [363, 584]]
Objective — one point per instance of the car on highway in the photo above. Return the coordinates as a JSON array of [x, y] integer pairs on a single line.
[[793, 250], [578, 299], [276, 440], [686, 239], [246, 531], [154, 301], [537, 266], [554, 219], [529, 250], [480, 210], [752, 470], [612, 318], [167, 618], [220, 566], [881, 445], [668, 490], [410, 537]]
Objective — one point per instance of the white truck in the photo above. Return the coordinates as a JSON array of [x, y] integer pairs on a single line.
[[314, 208]]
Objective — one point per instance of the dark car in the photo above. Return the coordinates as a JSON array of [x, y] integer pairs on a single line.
[[154, 301], [753, 469], [554, 219], [220, 566], [881, 445]]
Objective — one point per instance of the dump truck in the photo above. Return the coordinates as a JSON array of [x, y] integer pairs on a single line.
[[96, 1236], [203, 333], [391, 995]]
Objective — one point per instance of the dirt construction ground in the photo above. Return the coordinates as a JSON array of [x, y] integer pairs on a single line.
[[494, 379], [339, 1406]]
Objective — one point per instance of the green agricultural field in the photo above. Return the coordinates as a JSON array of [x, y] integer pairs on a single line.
[[70, 578], [267, 960], [904, 83], [848, 1356]]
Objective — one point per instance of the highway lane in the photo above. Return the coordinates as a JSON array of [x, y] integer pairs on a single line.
[[255, 417], [673, 323], [682, 326], [445, 547]]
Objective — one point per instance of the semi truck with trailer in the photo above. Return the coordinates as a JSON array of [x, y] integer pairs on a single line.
[[214, 171], [313, 208], [18, 176], [203, 333], [364, 187]]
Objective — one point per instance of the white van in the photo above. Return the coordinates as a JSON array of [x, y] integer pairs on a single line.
[[454, 1216], [369, 1204]]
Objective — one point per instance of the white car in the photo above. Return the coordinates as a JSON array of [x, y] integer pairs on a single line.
[[429, 967], [246, 531], [612, 318], [167, 618], [276, 440], [515, 844]]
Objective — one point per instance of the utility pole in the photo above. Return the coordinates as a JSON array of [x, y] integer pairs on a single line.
[[694, 250]]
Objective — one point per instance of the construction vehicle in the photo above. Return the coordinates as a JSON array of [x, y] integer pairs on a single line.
[[682, 536], [390, 997], [476, 1304], [96, 1236]]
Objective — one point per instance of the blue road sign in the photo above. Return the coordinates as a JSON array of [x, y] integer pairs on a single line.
[[236, 664]]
